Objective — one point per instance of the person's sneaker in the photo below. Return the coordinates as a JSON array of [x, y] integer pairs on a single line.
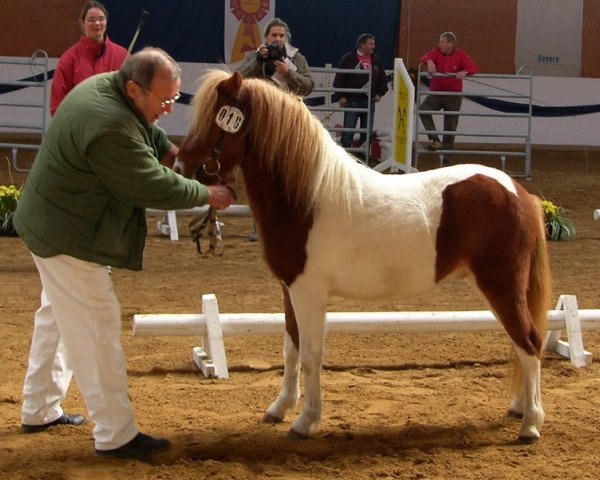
[[142, 446], [65, 419], [435, 145]]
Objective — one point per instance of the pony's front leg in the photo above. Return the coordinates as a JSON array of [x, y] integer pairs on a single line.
[[290, 389], [309, 307]]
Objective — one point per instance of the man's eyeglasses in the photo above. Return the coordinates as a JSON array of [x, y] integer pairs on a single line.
[[163, 103]]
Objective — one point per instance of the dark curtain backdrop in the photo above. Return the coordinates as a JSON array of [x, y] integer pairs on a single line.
[[192, 30]]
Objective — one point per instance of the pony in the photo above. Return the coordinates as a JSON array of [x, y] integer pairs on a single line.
[[329, 225]]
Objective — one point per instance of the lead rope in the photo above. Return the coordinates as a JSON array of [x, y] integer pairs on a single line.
[[216, 246], [215, 238]]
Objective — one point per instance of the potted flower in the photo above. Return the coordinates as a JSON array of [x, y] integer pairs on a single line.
[[9, 199], [558, 227]]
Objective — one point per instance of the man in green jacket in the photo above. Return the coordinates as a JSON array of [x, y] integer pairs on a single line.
[[82, 209]]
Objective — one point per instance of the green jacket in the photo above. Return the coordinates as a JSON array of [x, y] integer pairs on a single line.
[[97, 169]]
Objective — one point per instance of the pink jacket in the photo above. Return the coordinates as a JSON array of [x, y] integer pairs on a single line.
[[454, 62], [82, 60]]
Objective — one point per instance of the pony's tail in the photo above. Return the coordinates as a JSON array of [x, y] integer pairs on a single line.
[[539, 292]]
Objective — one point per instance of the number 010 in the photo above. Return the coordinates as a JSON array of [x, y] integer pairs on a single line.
[[230, 118]]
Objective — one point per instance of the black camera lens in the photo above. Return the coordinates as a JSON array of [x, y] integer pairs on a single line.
[[274, 51]]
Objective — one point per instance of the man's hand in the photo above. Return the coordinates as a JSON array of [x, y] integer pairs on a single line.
[[220, 196], [282, 68], [262, 51], [431, 66]]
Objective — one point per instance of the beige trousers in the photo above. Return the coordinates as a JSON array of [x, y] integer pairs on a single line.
[[78, 327]]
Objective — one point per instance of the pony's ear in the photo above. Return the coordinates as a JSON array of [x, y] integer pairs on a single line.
[[231, 86]]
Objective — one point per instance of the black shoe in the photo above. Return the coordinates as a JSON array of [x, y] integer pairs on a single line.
[[65, 419], [141, 446]]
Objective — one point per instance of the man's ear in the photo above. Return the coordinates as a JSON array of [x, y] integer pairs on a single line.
[[133, 89]]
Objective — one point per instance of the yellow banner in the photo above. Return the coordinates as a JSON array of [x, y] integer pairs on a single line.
[[249, 13]]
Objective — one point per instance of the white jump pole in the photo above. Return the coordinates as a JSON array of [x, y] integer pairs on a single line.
[[238, 324], [234, 210], [213, 326]]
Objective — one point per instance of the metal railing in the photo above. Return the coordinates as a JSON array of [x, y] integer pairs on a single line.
[[520, 137], [330, 107], [38, 67]]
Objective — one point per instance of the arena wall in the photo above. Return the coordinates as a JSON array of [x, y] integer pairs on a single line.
[[486, 29]]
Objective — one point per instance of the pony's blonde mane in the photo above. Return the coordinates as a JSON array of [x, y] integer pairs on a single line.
[[204, 104], [288, 139]]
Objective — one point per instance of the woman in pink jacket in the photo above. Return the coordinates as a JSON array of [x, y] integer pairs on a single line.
[[93, 53]]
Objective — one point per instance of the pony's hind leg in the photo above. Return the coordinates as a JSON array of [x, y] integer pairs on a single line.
[[528, 398], [526, 337], [516, 407], [290, 388], [526, 403]]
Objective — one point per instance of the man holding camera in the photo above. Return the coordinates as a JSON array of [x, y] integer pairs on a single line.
[[278, 60]]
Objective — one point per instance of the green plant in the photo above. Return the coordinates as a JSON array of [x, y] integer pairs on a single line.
[[558, 227], [9, 199]]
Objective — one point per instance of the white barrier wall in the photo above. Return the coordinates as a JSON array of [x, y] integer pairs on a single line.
[[547, 91]]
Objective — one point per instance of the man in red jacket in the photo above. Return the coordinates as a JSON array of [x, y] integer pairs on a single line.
[[454, 64]]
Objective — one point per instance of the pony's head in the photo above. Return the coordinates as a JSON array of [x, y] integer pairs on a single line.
[[215, 140]]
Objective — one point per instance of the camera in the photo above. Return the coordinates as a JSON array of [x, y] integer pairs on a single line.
[[275, 51]]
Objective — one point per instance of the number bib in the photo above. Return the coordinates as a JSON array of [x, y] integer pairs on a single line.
[[229, 118]]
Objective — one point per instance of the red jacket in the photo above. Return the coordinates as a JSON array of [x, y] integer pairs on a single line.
[[82, 60], [453, 62]]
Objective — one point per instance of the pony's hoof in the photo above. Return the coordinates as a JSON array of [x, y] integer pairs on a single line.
[[514, 414], [296, 435], [528, 440], [269, 418]]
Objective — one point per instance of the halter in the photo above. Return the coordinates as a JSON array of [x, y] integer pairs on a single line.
[[229, 119]]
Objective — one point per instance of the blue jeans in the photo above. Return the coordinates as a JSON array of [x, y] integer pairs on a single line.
[[351, 120]]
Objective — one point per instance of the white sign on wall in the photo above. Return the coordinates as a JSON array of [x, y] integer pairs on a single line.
[[549, 37]]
